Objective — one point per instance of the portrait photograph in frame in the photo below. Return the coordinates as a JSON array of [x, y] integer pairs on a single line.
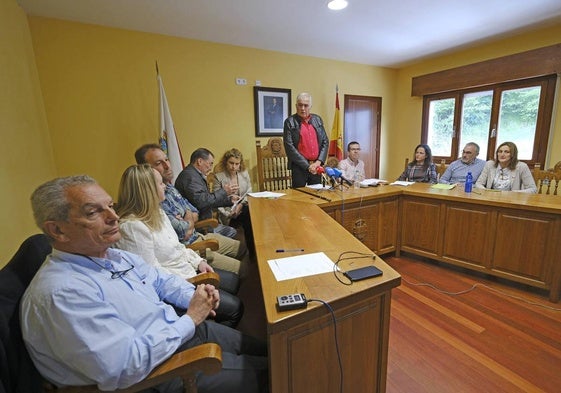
[[272, 106]]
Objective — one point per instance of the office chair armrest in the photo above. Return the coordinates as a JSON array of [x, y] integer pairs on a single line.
[[205, 278], [206, 225], [206, 358]]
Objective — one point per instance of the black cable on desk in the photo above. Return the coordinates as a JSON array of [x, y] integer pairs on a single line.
[[330, 309]]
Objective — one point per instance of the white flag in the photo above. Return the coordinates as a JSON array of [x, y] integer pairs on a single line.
[[168, 139]]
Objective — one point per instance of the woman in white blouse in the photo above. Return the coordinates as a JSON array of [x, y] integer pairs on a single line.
[[147, 231], [506, 173]]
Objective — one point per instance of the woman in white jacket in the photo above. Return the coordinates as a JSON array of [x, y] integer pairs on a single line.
[[147, 231], [506, 173]]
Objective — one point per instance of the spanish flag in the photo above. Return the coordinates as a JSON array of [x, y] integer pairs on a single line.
[[336, 139]]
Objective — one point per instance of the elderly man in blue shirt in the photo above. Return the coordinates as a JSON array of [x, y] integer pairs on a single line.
[[97, 315], [458, 170]]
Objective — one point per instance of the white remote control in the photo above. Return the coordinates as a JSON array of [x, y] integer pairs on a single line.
[[291, 302]]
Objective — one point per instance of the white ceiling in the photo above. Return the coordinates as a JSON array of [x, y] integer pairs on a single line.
[[387, 33]]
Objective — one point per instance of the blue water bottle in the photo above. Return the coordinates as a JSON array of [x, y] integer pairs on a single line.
[[469, 182]]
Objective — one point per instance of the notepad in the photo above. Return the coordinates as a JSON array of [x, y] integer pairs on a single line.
[[402, 183], [441, 186]]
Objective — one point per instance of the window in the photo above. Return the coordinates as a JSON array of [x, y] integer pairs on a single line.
[[519, 112]]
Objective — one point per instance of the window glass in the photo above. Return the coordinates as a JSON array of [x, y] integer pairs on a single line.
[[518, 116], [441, 126], [476, 118]]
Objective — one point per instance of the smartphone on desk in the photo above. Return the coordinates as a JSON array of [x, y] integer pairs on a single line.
[[363, 273]]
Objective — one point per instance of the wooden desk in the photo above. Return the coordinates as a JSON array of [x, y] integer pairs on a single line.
[[302, 349], [506, 234]]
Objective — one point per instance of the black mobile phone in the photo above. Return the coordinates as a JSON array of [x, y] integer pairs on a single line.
[[363, 273]]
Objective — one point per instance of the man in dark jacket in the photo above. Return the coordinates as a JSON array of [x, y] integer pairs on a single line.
[[305, 142]]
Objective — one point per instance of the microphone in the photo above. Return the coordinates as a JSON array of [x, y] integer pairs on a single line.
[[339, 174], [332, 175], [321, 171]]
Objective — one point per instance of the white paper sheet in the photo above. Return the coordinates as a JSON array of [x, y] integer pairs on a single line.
[[300, 266], [266, 194]]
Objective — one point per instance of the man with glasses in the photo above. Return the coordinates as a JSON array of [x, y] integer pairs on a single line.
[[352, 166], [458, 170], [97, 315]]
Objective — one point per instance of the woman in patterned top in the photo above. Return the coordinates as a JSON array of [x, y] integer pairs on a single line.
[[422, 169]]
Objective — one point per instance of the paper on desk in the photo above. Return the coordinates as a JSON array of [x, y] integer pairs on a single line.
[[317, 187], [266, 194], [373, 182], [441, 186], [402, 183], [300, 266]]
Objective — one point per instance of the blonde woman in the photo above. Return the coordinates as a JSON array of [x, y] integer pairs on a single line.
[[147, 231], [231, 171]]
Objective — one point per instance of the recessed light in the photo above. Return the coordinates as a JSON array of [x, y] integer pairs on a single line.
[[337, 5]]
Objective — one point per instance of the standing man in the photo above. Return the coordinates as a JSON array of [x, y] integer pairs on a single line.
[[352, 166], [458, 170], [97, 315], [305, 142]]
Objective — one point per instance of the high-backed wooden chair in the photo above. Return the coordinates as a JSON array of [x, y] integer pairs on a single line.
[[441, 168], [546, 181], [332, 162], [17, 372], [272, 166]]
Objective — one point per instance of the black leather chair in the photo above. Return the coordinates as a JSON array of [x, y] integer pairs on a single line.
[[17, 373]]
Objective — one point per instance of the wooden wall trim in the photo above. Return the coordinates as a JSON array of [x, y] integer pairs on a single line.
[[533, 63]]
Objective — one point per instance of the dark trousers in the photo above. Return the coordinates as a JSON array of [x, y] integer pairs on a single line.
[[301, 177], [230, 310], [244, 363]]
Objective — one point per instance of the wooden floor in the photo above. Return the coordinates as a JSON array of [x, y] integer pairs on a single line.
[[491, 339]]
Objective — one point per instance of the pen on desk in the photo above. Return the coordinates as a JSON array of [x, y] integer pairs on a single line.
[[476, 192], [290, 250]]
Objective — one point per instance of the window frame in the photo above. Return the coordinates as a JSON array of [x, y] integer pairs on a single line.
[[543, 121]]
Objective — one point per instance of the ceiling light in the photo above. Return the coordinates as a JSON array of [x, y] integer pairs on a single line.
[[337, 5]]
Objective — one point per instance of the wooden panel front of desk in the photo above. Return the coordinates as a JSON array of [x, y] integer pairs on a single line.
[[302, 348], [503, 241]]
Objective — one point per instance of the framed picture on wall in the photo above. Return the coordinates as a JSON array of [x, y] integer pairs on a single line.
[[272, 106]]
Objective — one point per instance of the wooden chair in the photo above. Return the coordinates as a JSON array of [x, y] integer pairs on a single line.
[[546, 181], [332, 162], [17, 370], [272, 166], [441, 168]]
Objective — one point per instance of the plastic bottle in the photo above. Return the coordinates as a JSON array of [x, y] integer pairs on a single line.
[[469, 182], [357, 180]]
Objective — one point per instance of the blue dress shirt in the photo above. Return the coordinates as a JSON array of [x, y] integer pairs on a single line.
[[458, 170], [82, 327]]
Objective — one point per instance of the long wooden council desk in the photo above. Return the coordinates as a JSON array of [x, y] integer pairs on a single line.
[[506, 234], [302, 348]]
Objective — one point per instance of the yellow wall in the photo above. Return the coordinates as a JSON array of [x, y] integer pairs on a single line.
[[27, 155], [100, 92], [96, 89], [406, 120]]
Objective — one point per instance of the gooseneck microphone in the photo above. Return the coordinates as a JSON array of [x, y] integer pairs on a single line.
[[324, 179], [332, 175]]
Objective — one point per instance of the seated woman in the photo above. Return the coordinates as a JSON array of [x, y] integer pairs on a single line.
[[506, 173], [422, 169], [147, 231], [231, 170]]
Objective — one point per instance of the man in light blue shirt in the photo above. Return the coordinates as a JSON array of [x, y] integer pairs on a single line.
[[458, 170], [93, 315]]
